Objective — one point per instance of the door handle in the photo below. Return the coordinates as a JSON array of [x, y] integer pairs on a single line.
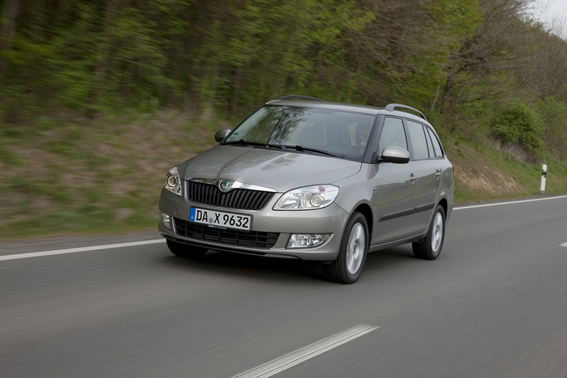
[[438, 173], [412, 178]]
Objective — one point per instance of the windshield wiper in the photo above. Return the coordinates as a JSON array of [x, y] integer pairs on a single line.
[[316, 150], [298, 147], [243, 142]]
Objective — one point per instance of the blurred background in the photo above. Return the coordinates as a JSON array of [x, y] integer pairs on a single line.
[[99, 98]]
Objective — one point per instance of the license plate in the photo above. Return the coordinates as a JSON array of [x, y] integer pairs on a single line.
[[220, 219]]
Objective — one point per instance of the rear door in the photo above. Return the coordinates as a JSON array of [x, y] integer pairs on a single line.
[[427, 170]]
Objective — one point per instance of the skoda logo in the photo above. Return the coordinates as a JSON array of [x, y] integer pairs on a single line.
[[225, 185]]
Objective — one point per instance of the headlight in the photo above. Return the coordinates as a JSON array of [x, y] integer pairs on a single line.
[[173, 181], [308, 198]]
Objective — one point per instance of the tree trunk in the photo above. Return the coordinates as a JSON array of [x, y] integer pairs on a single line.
[[235, 91], [448, 86], [102, 64], [435, 99], [9, 14]]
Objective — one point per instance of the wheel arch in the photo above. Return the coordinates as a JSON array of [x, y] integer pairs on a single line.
[[444, 205], [366, 211]]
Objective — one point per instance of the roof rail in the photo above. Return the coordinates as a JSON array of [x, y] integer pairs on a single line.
[[291, 97], [391, 107]]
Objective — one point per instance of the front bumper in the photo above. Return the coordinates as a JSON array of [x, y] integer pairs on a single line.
[[278, 224]]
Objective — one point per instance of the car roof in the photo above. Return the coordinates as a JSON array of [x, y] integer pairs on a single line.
[[367, 109]]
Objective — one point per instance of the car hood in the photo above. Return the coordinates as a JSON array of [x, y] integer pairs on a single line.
[[274, 169]]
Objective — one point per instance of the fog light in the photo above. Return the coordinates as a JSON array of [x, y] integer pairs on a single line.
[[166, 220], [307, 240]]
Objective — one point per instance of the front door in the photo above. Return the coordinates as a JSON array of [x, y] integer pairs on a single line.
[[393, 198]]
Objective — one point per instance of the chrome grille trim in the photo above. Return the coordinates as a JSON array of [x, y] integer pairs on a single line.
[[243, 199]]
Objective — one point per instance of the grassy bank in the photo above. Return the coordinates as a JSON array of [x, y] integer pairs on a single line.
[[92, 176], [105, 175]]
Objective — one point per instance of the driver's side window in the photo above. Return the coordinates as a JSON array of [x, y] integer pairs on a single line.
[[392, 134]]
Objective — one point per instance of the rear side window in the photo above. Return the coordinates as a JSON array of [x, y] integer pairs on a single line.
[[417, 140], [429, 145], [436, 145]]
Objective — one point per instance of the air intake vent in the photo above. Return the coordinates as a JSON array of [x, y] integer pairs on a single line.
[[237, 199], [252, 239]]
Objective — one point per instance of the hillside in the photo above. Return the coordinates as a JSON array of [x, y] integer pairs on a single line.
[[106, 175], [98, 98], [92, 175]]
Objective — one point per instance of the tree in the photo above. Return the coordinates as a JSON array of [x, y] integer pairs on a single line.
[[479, 67]]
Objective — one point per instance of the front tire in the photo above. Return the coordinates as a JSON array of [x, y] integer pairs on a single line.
[[184, 250], [430, 247], [347, 268]]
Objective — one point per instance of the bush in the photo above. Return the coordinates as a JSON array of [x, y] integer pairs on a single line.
[[520, 125], [554, 116]]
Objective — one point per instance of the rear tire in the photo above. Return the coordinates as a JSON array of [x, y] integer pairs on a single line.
[[347, 268], [184, 250], [430, 247]]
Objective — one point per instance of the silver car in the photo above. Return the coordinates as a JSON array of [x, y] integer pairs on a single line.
[[303, 178]]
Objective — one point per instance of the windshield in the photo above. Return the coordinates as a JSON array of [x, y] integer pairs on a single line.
[[332, 132]]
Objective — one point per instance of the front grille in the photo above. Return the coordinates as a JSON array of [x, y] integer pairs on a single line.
[[252, 239], [244, 199]]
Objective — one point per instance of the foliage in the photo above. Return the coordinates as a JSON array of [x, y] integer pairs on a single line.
[[96, 56], [519, 124], [553, 114]]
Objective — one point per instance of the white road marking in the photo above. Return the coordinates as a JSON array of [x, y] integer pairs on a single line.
[[563, 245], [507, 203], [303, 354], [83, 249]]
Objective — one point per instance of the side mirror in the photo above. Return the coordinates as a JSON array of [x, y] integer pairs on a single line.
[[221, 134], [395, 155]]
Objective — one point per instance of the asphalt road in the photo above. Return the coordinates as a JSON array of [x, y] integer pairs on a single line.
[[493, 305]]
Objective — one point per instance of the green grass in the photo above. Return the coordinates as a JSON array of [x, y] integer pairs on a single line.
[[10, 158], [93, 176]]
